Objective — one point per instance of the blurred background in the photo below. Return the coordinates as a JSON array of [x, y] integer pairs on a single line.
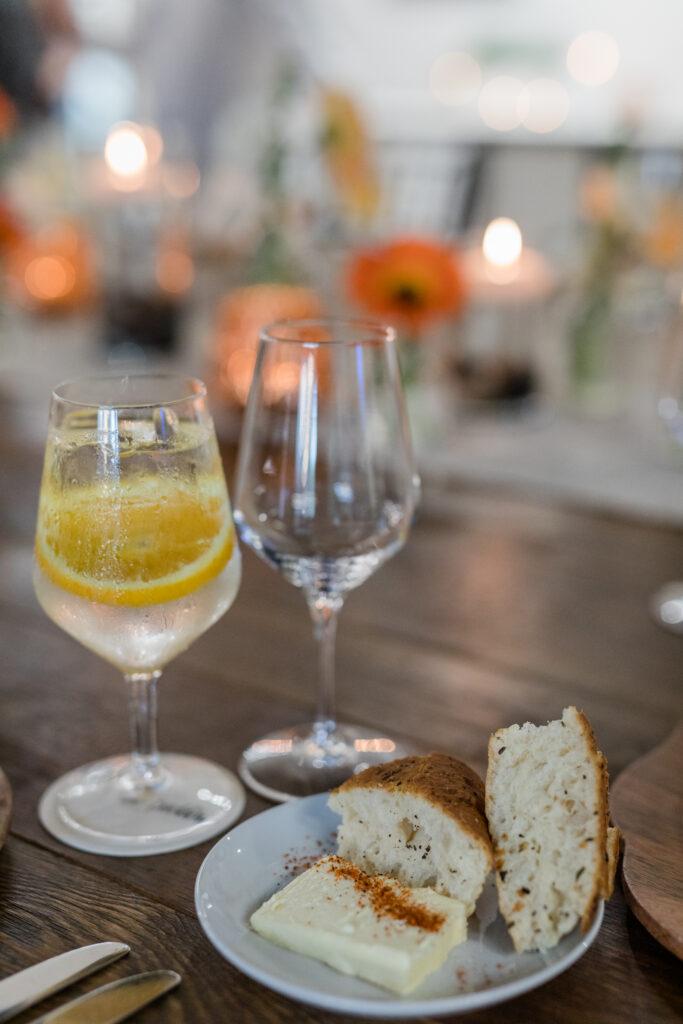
[[500, 179]]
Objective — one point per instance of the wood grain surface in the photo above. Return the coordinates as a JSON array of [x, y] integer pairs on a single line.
[[647, 804], [5, 806], [501, 608]]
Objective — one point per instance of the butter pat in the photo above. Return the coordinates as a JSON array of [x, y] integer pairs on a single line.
[[371, 927]]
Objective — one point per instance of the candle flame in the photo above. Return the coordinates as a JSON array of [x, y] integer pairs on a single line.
[[126, 155], [502, 243]]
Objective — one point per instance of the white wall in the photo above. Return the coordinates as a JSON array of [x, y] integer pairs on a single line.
[[383, 49]]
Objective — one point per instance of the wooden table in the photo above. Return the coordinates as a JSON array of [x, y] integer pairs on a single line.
[[502, 608]]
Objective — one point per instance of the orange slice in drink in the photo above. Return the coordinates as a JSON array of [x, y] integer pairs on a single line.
[[135, 543]]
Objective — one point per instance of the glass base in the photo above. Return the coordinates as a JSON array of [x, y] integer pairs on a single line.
[[308, 759], [667, 606], [98, 808]]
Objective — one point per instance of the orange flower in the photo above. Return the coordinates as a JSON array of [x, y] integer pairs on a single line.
[[348, 154], [8, 114], [410, 282], [241, 315]]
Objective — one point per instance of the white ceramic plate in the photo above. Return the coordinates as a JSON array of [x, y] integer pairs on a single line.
[[247, 866]]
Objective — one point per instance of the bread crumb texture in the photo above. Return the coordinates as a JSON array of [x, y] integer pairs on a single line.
[[547, 810], [420, 820]]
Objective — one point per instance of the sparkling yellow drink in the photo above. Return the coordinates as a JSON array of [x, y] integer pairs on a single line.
[[136, 557], [138, 561]]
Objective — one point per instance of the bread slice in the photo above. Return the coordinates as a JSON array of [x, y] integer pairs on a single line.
[[546, 804], [420, 820]]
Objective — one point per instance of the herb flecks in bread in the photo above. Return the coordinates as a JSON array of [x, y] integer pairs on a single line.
[[420, 820], [546, 803]]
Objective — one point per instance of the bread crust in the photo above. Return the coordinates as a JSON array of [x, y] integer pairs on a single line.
[[601, 875], [443, 781], [613, 852]]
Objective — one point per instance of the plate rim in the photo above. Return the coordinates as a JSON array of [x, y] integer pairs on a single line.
[[395, 1007]]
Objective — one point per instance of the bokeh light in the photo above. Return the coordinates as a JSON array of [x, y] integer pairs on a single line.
[[49, 278], [543, 105], [375, 745], [672, 612], [52, 270], [154, 144], [501, 103], [593, 58], [112, 24], [454, 78], [237, 371], [174, 271], [181, 181]]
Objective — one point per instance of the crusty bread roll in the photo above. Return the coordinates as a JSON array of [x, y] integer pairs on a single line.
[[546, 803], [418, 819]]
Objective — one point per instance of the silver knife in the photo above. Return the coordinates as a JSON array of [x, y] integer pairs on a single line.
[[28, 987], [115, 1002]]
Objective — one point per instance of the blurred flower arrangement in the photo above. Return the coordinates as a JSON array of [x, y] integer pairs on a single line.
[[276, 284], [412, 283], [631, 246], [610, 248], [278, 273], [348, 156]]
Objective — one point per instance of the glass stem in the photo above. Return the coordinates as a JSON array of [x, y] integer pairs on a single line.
[[324, 610], [146, 772]]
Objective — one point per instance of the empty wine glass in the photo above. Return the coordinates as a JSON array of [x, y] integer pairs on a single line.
[[326, 489], [667, 603]]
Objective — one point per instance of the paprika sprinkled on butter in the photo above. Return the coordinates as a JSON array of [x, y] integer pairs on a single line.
[[387, 899]]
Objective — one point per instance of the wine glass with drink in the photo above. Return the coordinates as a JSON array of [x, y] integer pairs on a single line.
[[136, 557]]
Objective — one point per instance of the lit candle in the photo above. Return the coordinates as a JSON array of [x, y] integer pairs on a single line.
[[53, 270], [503, 269], [130, 151]]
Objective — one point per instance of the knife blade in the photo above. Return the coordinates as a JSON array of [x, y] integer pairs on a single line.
[[29, 986], [114, 1002]]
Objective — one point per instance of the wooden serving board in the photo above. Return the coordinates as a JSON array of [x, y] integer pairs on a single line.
[[5, 806], [647, 804]]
